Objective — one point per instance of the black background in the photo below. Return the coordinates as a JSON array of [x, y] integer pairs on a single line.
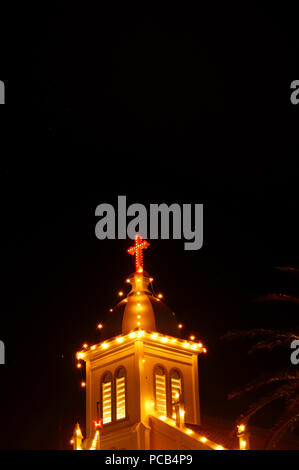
[[173, 104]]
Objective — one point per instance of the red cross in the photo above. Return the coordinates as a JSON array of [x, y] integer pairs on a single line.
[[98, 424], [136, 250]]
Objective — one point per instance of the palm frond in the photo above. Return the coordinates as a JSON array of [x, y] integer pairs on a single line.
[[292, 269], [285, 391], [282, 340], [277, 297], [281, 376], [231, 335], [289, 419]]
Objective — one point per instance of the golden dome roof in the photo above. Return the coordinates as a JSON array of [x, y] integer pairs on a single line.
[[140, 309]]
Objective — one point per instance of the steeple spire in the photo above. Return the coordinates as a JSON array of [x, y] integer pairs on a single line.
[[137, 250]]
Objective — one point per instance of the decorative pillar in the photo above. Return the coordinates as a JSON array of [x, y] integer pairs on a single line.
[[243, 437], [77, 438]]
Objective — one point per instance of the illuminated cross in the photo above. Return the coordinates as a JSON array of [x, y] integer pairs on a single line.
[[98, 424], [136, 250], [96, 440]]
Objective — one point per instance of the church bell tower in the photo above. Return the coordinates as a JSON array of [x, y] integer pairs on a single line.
[[141, 373]]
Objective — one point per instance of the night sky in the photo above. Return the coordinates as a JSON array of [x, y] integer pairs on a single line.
[[177, 105]]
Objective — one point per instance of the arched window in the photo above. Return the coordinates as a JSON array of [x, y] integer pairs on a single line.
[[160, 390], [175, 388], [120, 393], [106, 390]]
